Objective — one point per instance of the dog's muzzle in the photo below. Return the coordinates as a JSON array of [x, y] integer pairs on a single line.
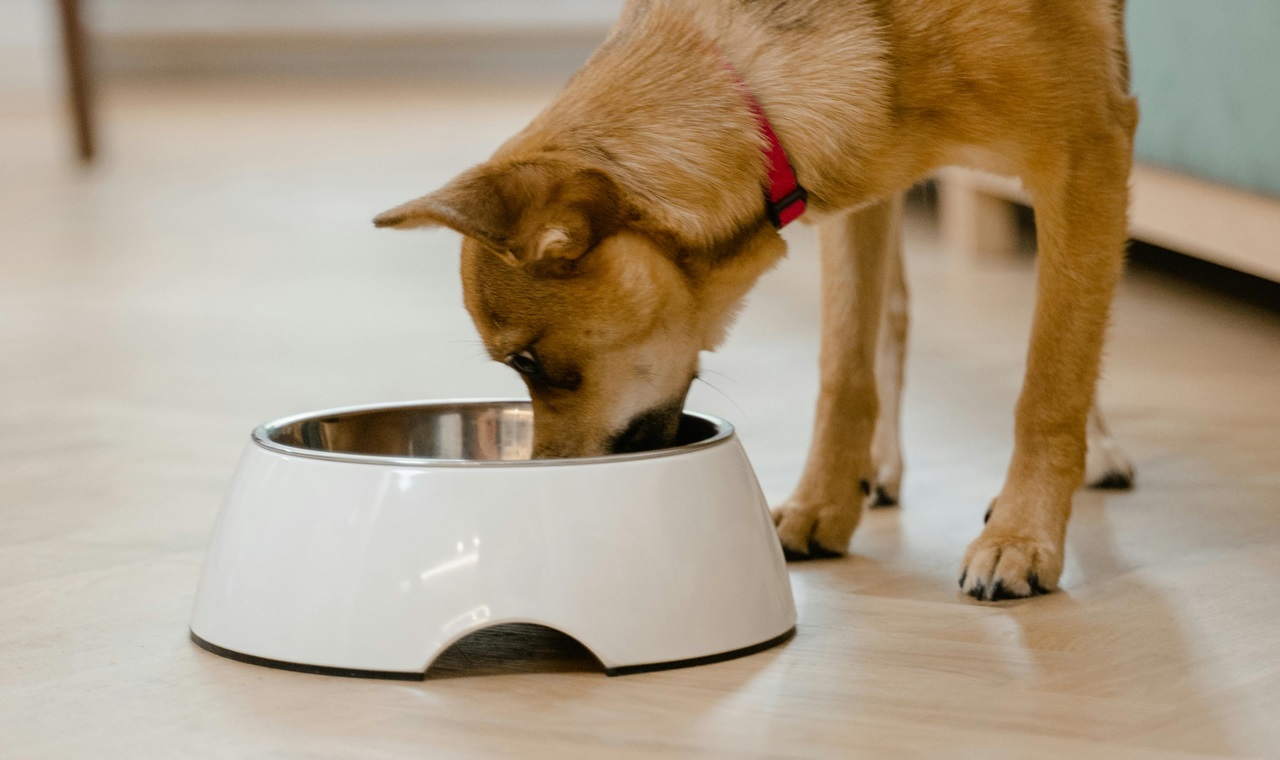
[[656, 428]]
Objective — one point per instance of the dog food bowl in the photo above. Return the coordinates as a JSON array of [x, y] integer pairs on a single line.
[[366, 541]]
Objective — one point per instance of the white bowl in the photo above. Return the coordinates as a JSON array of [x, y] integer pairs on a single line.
[[366, 541]]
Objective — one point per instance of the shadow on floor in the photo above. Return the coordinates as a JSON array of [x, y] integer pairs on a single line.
[[1204, 277]]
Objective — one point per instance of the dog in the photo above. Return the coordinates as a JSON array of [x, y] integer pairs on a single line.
[[613, 239]]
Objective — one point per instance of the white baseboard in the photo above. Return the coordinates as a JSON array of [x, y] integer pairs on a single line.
[[1219, 223], [1222, 224]]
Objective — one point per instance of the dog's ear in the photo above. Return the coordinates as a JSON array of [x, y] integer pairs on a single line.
[[632, 16], [471, 204], [526, 211]]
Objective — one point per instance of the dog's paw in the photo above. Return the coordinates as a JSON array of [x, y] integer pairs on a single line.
[[1107, 467], [815, 531], [888, 484], [1000, 565], [884, 495]]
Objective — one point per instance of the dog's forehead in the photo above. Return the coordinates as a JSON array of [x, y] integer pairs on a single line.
[[505, 295], [591, 310], [512, 307]]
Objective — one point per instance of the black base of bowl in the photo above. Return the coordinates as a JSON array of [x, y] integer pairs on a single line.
[[393, 675]]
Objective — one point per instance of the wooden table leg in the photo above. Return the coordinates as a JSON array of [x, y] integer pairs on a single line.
[[79, 92]]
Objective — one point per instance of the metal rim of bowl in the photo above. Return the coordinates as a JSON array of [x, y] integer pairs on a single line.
[[724, 431]]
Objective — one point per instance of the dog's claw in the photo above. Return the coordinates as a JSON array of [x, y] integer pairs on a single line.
[[821, 552], [999, 567], [1114, 480], [883, 499], [999, 592], [815, 552], [815, 531], [791, 555]]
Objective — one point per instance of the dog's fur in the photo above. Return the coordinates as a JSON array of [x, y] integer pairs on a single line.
[[613, 239]]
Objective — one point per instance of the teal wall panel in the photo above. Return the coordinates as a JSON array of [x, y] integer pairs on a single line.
[[1207, 77]]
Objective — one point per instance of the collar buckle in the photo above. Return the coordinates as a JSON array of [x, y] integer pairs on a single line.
[[785, 198], [786, 209]]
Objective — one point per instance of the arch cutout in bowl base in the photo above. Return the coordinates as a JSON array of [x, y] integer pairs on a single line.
[[513, 648], [389, 675]]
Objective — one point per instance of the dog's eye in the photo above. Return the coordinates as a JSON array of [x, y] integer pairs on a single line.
[[524, 362]]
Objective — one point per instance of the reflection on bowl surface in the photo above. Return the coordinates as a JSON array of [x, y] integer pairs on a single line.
[[447, 432]]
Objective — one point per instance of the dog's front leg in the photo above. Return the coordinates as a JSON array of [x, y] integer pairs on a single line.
[[1080, 214], [821, 515]]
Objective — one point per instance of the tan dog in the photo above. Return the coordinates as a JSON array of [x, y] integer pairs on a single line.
[[613, 239]]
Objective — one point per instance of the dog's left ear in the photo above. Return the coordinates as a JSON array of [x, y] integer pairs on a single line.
[[530, 211]]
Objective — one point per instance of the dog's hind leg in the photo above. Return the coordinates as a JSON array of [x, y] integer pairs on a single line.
[[1106, 466], [1081, 201], [886, 446], [820, 517]]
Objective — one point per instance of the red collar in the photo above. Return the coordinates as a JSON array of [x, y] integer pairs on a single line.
[[785, 199]]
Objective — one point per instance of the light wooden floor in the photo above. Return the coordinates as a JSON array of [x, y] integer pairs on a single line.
[[220, 270]]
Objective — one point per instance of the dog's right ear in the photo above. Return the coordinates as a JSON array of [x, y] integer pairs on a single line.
[[526, 211], [633, 14]]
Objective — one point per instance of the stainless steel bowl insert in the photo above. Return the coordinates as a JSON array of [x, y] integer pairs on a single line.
[[447, 433]]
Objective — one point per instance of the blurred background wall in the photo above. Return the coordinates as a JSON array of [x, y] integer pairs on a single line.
[[1207, 77], [28, 55]]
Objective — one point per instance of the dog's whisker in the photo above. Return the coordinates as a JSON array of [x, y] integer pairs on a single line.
[[704, 370], [727, 397]]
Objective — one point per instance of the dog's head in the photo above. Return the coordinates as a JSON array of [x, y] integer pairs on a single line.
[[602, 316]]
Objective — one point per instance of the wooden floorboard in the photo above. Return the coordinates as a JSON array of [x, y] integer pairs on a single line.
[[218, 269]]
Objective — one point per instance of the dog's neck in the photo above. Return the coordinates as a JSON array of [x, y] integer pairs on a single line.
[[657, 109]]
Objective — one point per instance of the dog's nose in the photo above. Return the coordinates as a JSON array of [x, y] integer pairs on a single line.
[[653, 429]]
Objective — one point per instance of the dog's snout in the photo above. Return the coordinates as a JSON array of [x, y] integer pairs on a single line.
[[653, 429]]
